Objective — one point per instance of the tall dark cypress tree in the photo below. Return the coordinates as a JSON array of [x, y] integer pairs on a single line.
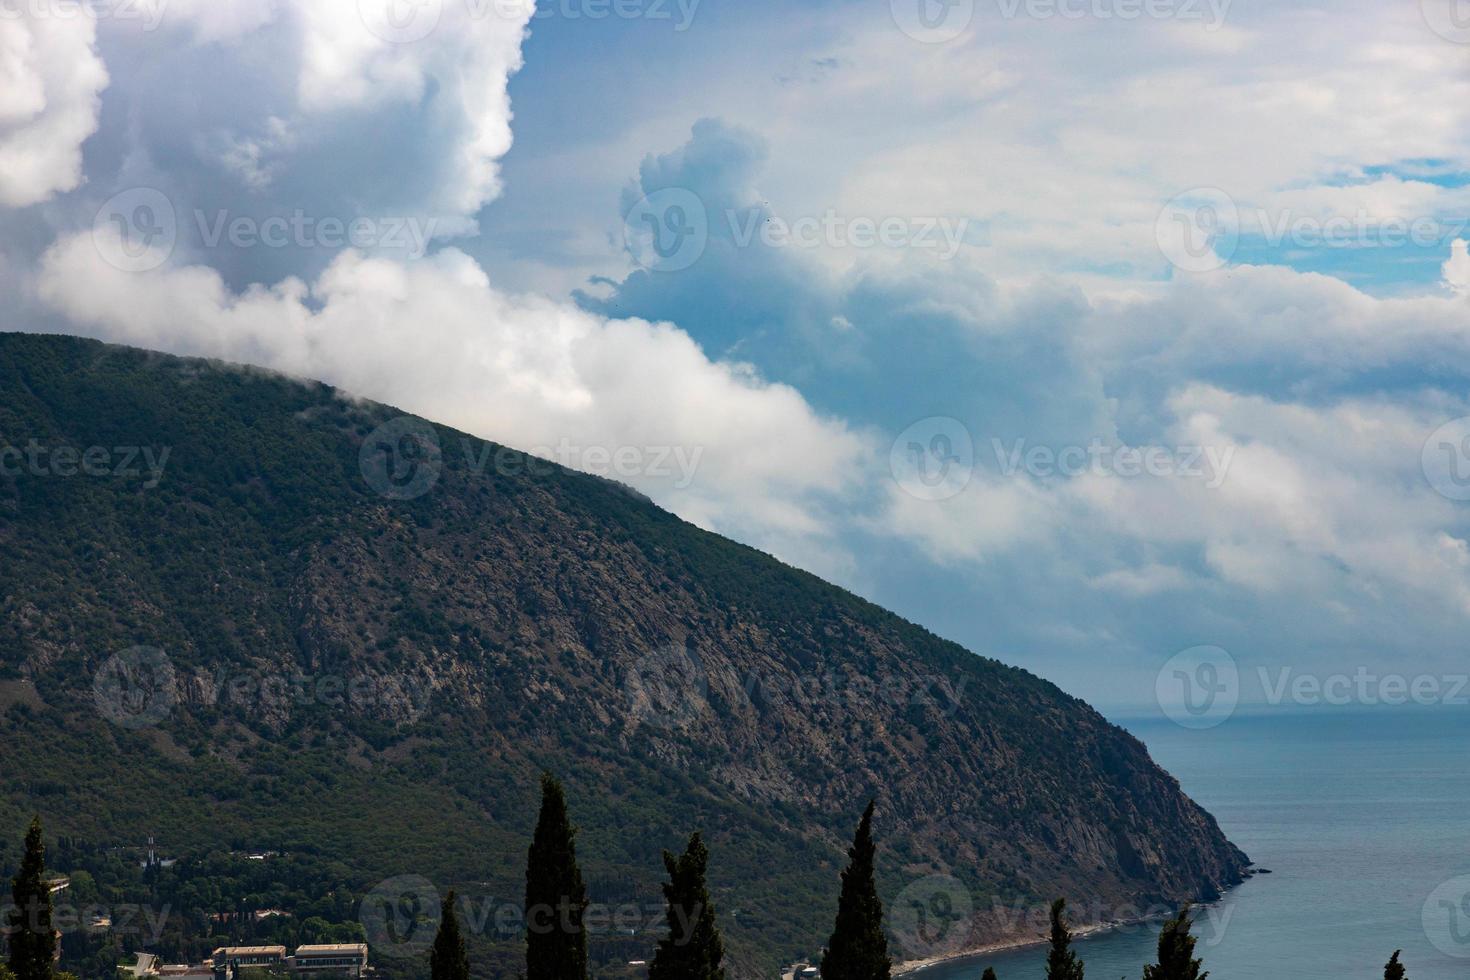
[[1394, 970], [448, 959], [694, 949], [1176, 952], [556, 897], [1061, 962], [32, 936], [858, 950], [989, 973]]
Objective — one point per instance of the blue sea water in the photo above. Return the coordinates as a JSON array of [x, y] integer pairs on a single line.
[[1363, 816]]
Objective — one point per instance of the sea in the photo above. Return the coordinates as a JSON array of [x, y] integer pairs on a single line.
[[1361, 814]]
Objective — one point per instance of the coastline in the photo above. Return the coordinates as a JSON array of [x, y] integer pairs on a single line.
[[908, 967]]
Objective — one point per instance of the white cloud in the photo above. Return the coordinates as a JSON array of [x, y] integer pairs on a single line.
[[352, 56], [1278, 329], [1063, 138], [1146, 580], [210, 21], [1066, 136], [435, 338], [50, 80], [265, 109], [1457, 268], [988, 519], [1322, 498]]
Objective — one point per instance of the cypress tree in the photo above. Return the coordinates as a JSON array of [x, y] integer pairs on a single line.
[[448, 959], [32, 936], [989, 973], [858, 950], [556, 897], [1062, 962], [1394, 970], [1176, 952], [694, 948]]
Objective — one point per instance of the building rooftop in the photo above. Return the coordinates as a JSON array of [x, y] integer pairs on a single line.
[[250, 950], [331, 948]]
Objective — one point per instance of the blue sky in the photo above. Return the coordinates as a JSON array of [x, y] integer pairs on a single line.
[[1084, 333]]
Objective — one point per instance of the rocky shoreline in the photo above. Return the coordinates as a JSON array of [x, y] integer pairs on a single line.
[[911, 967], [908, 967]]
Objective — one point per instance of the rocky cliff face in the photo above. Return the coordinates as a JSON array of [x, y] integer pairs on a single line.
[[326, 644]]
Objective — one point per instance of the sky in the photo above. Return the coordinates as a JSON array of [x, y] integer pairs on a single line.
[[1123, 340]]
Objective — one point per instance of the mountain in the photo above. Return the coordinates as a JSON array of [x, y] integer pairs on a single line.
[[243, 612]]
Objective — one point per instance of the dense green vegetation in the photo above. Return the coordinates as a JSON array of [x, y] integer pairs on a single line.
[[492, 628], [185, 910], [692, 950]]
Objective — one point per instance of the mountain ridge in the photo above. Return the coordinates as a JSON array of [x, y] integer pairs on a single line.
[[502, 621]]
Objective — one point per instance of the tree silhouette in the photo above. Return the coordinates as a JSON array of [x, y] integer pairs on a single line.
[[858, 950], [556, 896], [694, 949], [1061, 962], [448, 959], [32, 935], [1176, 952]]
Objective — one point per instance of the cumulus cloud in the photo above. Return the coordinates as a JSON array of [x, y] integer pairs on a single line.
[[1057, 325], [724, 448], [326, 109], [1287, 407], [1272, 496], [1289, 453], [739, 295], [1317, 501], [1286, 413], [50, 80], [1064, 137], [331, 111], [360, 53]]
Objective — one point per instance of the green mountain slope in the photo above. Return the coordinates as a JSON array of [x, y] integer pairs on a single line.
[[375, 682]]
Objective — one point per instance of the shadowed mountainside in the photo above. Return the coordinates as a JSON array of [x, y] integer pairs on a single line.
[[379, 680]]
